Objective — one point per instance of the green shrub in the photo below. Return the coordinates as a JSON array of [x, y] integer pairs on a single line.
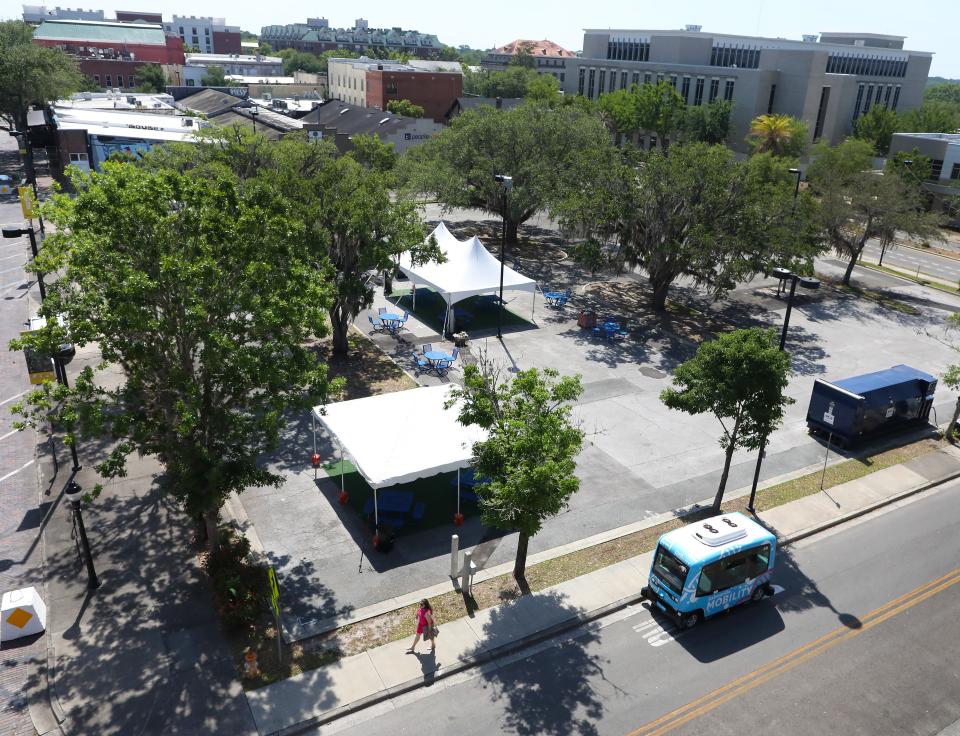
[[237, 582]]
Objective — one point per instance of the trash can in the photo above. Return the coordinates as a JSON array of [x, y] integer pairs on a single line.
[[587, 319]]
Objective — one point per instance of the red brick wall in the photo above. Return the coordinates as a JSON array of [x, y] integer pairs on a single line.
[[100, 69], [226, 42], [70, 141], [434, 92], [171, 53]]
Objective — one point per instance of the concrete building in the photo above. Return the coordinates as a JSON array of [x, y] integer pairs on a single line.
[[340, 122], [239, 65], [550, 58], [36, 14], [210, 35], [943, 150], [110, 52], [316, 36], [363, 82], [827, 83]]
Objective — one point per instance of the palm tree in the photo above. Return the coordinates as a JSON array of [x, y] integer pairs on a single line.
[[779, 135]]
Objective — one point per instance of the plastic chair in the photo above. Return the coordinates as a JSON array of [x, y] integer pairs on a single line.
[[456, 352], [376, 324], [421, 363], [427, 347], [381, 310], [406, 315]]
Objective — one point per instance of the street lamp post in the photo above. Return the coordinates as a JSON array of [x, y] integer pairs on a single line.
[[253, 116], [16, 232], [807, 282], [26, 148], [74, 495], [796, 188], [507, 183]]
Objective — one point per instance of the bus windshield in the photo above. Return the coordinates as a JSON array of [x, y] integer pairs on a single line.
[[670, 570]]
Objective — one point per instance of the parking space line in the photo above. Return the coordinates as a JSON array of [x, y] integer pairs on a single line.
[[14, 472]]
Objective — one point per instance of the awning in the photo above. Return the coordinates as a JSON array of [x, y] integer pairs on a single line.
[[401, 436]]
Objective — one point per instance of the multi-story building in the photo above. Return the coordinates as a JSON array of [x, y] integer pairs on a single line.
[[240, 65], [209, 35], [316, 36], [36, 14], [943, 150], [110, 52], [548, 57], [828, 83], [138, 16], [363, 82]]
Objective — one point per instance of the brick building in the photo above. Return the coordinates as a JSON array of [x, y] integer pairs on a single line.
[[547, 57], [316, 36], [433, 85], [209, 35]]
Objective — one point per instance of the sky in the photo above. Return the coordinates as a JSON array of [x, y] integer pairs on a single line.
[[929, 25]]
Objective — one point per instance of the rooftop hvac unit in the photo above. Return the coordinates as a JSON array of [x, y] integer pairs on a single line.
[[692, 28]]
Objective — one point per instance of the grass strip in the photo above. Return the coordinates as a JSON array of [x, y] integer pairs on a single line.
[[379, 630], [911, 277]]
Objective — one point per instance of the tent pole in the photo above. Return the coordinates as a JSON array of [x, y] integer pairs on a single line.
[[534, 305], [414, 296], [376, 512], [313, 422], [341, 466], [458, 490]]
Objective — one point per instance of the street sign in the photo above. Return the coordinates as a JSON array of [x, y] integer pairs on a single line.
[[275, 604], [28, 203], [274, 589], [39, 365]]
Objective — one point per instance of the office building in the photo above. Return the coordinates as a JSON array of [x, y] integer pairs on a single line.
[[363, 82], [209, 35], [37, 14], [234, 66], [316, 36], [548, 57], [826, 82], [110, 52]]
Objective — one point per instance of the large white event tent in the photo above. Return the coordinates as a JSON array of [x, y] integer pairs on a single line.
[[401, 436], [469, 270]]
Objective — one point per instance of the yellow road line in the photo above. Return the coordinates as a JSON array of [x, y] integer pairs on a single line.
[[715, 698]]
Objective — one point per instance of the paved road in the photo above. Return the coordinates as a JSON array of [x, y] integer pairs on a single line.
[[913, 258], [850, 645]]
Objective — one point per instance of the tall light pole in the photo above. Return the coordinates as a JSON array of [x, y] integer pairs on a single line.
[[254, 111], [807, 282], [74, 495], [65, 353], [796, 188], [16, 232], [507, 183]]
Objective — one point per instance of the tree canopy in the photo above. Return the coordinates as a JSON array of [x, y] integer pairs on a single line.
[[195, 284], [406, 108], [527, 463], [858, 203], [877, 127], [215, 76], [509, 84], [151, 78], [740, 378], [933, 116], [31, 74], [535, 144], [695, 211], [779, 135]]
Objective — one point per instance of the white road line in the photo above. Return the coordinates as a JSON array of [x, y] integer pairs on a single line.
[[15, 268], [15, 255], [17, 396], [12, 431], [14, 472]]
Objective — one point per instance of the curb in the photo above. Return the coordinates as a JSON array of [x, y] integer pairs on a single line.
[[571, 623], [485, 657]]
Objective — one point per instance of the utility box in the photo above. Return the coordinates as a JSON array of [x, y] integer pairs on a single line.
[[22, 613], [861, 407]]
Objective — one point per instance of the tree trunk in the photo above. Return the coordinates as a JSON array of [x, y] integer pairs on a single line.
[[951, 432], [211, 519], [723, 477], [339, 327], [512, 232], [388, 282], [520, 566], [849, 272], [660, 289]]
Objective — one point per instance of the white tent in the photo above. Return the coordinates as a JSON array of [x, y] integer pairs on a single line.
[[400, 436], [469, 270]]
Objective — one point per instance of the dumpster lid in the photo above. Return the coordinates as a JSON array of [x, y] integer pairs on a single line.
[[880, 379]]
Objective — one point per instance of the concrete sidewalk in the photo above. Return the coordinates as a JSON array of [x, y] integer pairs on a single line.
[[356, 682]]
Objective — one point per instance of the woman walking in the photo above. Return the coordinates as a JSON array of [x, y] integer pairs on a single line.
[[425, 626]]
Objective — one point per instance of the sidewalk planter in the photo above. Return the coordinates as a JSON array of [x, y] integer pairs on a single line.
[[460, 339], [587, 319]]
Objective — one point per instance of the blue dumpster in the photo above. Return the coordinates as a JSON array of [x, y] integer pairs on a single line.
[[861, 407]]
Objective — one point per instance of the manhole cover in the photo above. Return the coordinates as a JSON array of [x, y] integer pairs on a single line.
[[652, 373]]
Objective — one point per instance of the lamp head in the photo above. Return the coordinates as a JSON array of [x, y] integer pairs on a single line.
[[506, 181], [808, 282], [9, 231], [794, 171], [73, 492], [780, 273]]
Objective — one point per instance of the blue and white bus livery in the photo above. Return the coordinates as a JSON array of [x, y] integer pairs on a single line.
[[704, 568]]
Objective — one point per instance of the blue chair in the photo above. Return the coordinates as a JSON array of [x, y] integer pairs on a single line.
[[375, 323], [381, 310], [456, 353], [406, 315], [427, 347], [421, 363]]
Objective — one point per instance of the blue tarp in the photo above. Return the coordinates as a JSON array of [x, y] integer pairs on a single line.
[[881, 379]]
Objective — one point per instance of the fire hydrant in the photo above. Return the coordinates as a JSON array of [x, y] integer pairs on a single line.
[[250, 668]]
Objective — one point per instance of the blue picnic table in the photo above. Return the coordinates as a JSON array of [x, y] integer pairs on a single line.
[[391, 320]]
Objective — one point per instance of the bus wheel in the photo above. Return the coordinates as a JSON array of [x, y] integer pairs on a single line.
[[689, 620], [758, 593]]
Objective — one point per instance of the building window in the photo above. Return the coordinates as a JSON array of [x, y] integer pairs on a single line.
[[392, 87], [191, 83], [896, 97], [955, 171], [698, 92], [583, 73], [773, 94], [613, 80], [728, 90], [96, 78], [856, 106], [714, 89], [181, 31], [646, 78], [590, 84], [866, 102], [886, 97], [76, 158], [206, 31], [685, 89], [659, 77], [936, 168], [107, 80], [623, 80], [603, 80], [821, 113], [635, 78], [673, 81], [562, 75]]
